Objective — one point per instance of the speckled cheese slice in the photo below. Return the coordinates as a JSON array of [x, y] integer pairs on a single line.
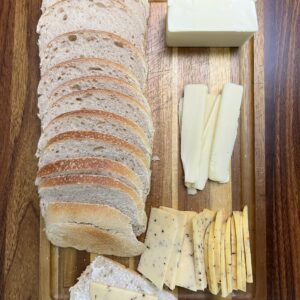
[[170, 278], [246, 237], [228, 255], [233, 255], [206, 256], [243, 270], [161, 233], [200, 224], [217, 240], [239, 241], [186, 271], [105, 292], [214, 288], [224, 290]]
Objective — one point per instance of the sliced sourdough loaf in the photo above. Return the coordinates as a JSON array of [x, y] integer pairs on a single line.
[[94, 189], [107, 15], [82, 67], [105, 271], [92, 166], [106, 100], [90, 144], [91, 82], [97, 44], [97, 121], [95, 228]]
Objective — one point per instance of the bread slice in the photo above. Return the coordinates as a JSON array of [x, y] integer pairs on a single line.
[[91, 82], [105, 100], [107, 15], [91, 166], [105, 271], [94, 189], [96, 121], [82, 67], [77, 144], [97, 44], [139, 7], [92, 227]]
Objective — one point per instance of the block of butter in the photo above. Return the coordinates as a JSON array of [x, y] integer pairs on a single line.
[[210, 23]]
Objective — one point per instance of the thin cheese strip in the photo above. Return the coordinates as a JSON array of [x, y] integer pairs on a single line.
[[224, 289], [200, 224], [170, 278], [192, 126], [161, 233], [247, 245], [233, 255], [186, 272], [217, 242], [214, 288], [105, 292], [239, 241], [206, 257], [243, 268], [228, 255]]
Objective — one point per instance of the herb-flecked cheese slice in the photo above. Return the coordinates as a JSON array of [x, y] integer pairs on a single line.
[[200, 224], [186, 272], [214, 288], [161, 233], [206, 256], [246, 237], [233, 255], [217, 242], [228, 258], [170, 279], [239, 241], [105, 292], [224, 289], [243, 268]]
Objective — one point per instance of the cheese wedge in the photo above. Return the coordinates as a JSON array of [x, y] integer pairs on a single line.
[[239, 243], [246, 237], [214, 288], [105, 292], [170, 278], [193, 111], [161, 233], [217, 242], [224, 290], [212, 109], [200, 224], [186, 271], [225, 133], [228, 258], [233, 255], [206, 237]]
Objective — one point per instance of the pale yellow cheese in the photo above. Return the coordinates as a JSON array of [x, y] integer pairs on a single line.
[[186, 271], [105, 292], [161, 233], [200, 224], [239, 242], [228, 257], [246, 237], [206, 249], [233, 255], [243, 269], [214, 288], [170, 278], [224, 289], [217, 242]]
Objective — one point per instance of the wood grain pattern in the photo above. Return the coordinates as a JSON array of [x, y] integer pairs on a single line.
[[283, 148]]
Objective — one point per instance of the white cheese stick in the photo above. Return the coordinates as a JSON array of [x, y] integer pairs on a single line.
[[228, 257], [170, 278], [186, 272], [225, 133], [246, 237], [100, 291], [200, 224], [212, 109], [192, 126], [161, 233]]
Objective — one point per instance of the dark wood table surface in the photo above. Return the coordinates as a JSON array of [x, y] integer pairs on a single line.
[[19, 219]]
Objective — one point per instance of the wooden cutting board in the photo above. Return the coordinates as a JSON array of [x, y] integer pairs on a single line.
[[169, 70]]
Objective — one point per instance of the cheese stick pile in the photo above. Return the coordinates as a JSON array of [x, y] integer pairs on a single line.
[[198, 251]]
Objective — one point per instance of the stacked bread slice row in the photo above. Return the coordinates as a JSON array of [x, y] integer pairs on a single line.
[[95, 147]]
